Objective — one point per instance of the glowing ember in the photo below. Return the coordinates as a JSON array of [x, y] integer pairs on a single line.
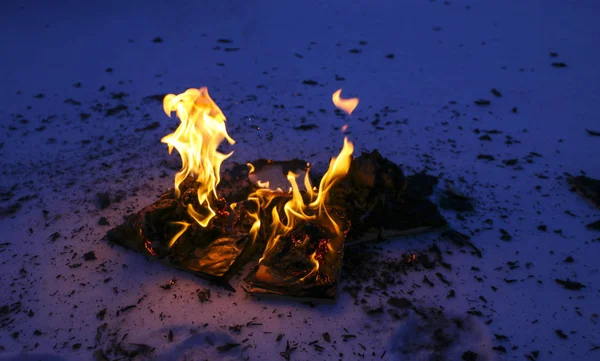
[[197, 138]]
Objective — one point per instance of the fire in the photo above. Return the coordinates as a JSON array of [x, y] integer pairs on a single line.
[[348, 105], [312, 207], [201, 131], [298, 209], [278, 212], [178, 234]]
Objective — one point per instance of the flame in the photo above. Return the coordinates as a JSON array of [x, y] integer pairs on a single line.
[[178, 234], [296, 210], [348, 105], [200, 133], [197, 138], [310, 207]]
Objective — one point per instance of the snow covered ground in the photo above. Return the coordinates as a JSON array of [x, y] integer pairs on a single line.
[[76, 120]]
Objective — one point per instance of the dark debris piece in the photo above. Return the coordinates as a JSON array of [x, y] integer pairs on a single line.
[[570, 285], [533, 355], [72, 101], [89, 256], [561, 334], [203, 295], [10, 210], [559, 65], [100, 315], [169, 285], [306, 127], [288, 351], [310, 82], [500, 337], [347, 337], [227, 347], [504, 235], [496, 92], [594, 225], [116, 110], [428, 282], [399, 302], [482, 102], [455, 201], [469, 356], [125, 308], [485, 156], [500, 349], [586, 187], [592, 132]]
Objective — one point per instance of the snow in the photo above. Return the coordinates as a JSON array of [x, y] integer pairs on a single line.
[[443, 51]]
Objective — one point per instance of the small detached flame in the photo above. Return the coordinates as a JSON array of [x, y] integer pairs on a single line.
[[348, 105], [197, 138]]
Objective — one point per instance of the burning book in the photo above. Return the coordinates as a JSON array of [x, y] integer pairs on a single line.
[[271, 208], [305, 238]]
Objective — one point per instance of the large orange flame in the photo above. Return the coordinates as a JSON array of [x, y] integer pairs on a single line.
[[197, 138]]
